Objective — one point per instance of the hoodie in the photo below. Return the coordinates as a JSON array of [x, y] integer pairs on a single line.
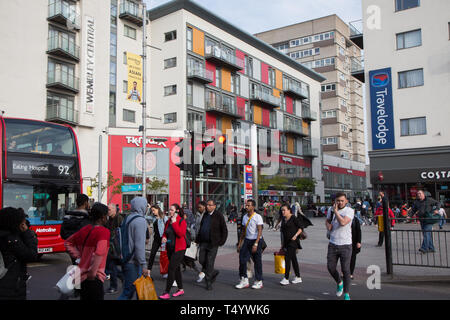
[[137, 231]]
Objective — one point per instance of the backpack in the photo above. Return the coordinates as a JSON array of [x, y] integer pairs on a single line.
[[3, 269], [120, 241]]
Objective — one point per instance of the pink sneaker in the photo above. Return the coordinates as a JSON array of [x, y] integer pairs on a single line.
[[178, 293], [165, 296]]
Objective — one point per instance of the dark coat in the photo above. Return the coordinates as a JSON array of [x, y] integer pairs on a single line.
[[17, 250], [356, 235], [73, 222], [219, 230]]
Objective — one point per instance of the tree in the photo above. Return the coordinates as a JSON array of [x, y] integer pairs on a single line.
[[276, 182], [111, 181], [305, 184], [157, 186]]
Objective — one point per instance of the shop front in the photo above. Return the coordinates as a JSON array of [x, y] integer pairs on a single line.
[[351, 182]]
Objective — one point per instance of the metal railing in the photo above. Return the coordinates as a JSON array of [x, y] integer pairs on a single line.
[[310, 152], [201, 72], [357, 64], [407, 238], [356, 28], [64, 44], [293, 125], [221, 104], [295, 86], [259, 94], [56, 112], [60, 77], [64, 9], [222, 54], [131, 8], [309, 114]]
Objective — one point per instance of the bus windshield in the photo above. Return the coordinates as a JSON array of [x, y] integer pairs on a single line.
[[39, 138], [44, 204]]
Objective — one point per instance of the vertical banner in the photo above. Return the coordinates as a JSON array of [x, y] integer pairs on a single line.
[[248, 183], [381, 107], [89, 69], [134, 63]]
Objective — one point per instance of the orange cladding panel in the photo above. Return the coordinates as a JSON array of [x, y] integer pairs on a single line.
[[278, 79], [257, 114], [198, 41], [290, 144], [226, 80]]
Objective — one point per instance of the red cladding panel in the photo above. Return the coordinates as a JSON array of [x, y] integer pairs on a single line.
[[264, 73], [211, 67], [240, 103], [240, 55], [266, 117], [289, 105]]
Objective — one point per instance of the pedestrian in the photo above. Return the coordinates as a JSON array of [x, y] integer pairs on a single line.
[[250, 246], [158, 229], [340, 246], [443, 218], [379, 212], [212, 234], [239, 227], [291, 228], [233, 213], [270, 215], [175, 241], [356, 245], [358, 209], [114, 222], [76, 219], [188, 261], [18, 246], [201, 209], [136, 231], [90, 245], [424, 207]]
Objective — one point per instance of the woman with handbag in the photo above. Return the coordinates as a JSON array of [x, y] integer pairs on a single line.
[[158, 230], [291, 228], [90, 246], [175, 241]]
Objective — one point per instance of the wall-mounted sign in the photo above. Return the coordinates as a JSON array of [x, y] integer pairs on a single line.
[[89, 64]]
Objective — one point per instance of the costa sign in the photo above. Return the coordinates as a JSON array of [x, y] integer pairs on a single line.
[[435, 175]]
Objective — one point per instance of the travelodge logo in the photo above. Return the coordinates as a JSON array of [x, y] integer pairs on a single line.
[[380, 80]]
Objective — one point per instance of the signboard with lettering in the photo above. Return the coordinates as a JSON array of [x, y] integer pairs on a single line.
[[27, 168], [248, 182], [132, 188], [381, 107], [89, 64]]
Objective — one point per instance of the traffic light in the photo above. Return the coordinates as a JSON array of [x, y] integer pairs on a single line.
[[215, 153], [182, 157], [89, 191]]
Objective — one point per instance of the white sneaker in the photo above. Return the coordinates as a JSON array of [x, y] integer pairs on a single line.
[[174, 284], [243, 284], [201, 275], [165, 276], [297, 280], [257, 285], [284, 282]]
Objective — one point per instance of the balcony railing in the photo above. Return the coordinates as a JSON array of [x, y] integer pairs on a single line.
[[62, 12], [64, 47], [265, 97], [224, 57], [58, 113], [221, 104], [292, 86], [63, 80], [356, 33], [294, 126], [357, 68], [200, 74], [310, 152], [308, 114], [132, 12]]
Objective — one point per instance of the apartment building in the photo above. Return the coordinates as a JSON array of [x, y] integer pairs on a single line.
[[407, 58], [202, 73]]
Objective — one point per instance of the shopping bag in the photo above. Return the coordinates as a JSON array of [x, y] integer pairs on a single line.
[[279, 263], [191, 252], [145, 288], [163, 262], [66, 285]]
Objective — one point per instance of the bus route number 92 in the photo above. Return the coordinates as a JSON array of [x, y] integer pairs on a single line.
[[63, 170]]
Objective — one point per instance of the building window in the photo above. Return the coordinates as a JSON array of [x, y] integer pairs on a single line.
[[125, 86], [272, 77], [129, 32], [344, 128], [329, 114], [328, 87], [329, 140], [249, 66], [283, 143], [170, 90], [129, 115], [195, 121], [237, 84], [172, 35], [273, 119], [412, 78], [170, 117], [218, 78], [189, 38], [406, 4], [248, 113], [409, 39], [125, 61], [189, 93], [170, 63], [413, 127]]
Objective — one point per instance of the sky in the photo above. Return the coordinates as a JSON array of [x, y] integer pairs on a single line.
[[256, 16]]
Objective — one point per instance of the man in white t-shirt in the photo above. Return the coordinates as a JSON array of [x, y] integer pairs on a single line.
[[339, 224], [249, 246]]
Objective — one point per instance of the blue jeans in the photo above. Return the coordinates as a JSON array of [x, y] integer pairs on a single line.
[[244, 256], [441, 222], [427, 244], [358, 215], [131, 273]]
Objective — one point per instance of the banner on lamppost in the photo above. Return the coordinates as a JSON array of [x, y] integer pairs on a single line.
[[248, 182], [134, 90]]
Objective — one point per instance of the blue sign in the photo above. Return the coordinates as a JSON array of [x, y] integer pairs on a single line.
[[132, 187], [249, 178], [381, 107]]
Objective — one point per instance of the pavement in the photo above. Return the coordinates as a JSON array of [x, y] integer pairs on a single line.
[[408, 283]]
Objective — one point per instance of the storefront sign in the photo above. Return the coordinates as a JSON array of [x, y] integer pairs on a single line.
[[137, 141], [287, 159], [248, 182], [132, 188], [89, 66], [134, 63], [381, 109], [435, 175]]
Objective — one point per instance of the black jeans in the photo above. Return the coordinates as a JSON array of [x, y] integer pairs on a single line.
[[344, 254], [175, 259], [155, 246], [380, 238], [291, 256], [207, 258], [92, 290], [353, 261]]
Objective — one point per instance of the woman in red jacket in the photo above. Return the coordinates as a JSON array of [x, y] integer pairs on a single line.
[[175, 241]]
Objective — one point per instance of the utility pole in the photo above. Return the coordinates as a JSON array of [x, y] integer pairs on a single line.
[[144, 100], [99, 199], [254, 162], [193, 173]]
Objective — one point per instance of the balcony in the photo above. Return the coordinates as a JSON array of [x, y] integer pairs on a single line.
[[222, 57], [356, 33], [62, 12], [63, 47], [308, 114], [61, 114], [265, 98], [294, 88], [294, 126], [200, 74], [310, 152], [357, 64], [60, 79], [222, 105], [132, 12]]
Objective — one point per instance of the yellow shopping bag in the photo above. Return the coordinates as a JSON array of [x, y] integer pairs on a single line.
[[380, 223], [145, 288], [279, 263]]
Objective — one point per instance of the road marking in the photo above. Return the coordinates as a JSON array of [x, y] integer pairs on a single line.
[[34, 265], [310, 299], [326, 293]]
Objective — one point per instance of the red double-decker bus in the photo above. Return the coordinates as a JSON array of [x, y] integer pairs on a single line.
[[40, 173]]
